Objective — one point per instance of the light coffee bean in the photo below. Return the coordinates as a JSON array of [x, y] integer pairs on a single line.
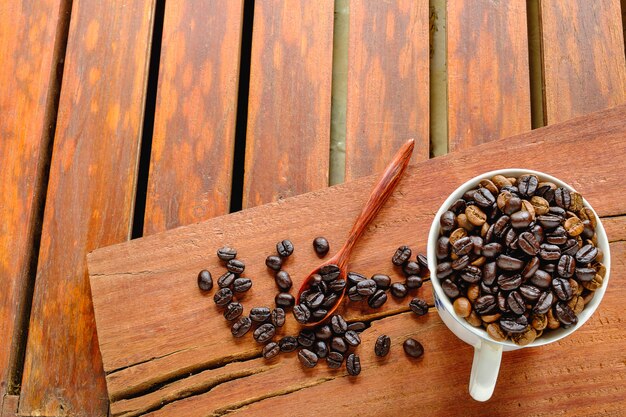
[[495, 332], [553, 322], [475, 215], [539, 321], [474, 319], [594, 284], [576, 202], [463, 222], [490, 318], [473, 292], [462, 307], [500, 181], [457, 234], [489, 185], [574, 226], [587, 214], [540, 205], [503, 199], [524, 338], [527, 206]]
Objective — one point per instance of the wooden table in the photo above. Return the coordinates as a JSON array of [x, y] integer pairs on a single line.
[[121, 119]]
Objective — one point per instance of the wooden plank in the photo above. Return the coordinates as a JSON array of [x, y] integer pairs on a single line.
[[583, 57], [388, 58], [288, 132], [89, 201], [9, 406], [194, 127], [31, 42], [162, 334], [488, 72]]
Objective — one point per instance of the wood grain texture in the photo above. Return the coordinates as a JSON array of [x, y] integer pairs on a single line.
[[89, 201], [168, 330], [8, 407], [288, 132], [387, 83], [194, 128], [583, 57], [488, 72], [30, 48]]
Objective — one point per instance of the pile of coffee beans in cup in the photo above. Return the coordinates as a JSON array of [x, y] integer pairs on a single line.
[[519, 257]]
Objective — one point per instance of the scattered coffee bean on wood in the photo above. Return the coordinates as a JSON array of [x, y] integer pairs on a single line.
[[236, 266], [242, 285], [398, 290], [418, 306], [382, 345], [260, 314], [278, 317], [274, 262], [271, 350], [353, 364], [264, 333], [284, 248], [357, 326], [402, 254], [288, 344], [283, 280], [382, 281], [205, 281], [321, 246], [233, 310], [223, 296], [226, 253], [413, 348], [284, 300], [226, 280], [338, 324], [306, 338], [307, 358], [241, 327], [334, 360]]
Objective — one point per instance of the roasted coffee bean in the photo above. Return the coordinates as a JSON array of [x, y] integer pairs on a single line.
[[544, 303], [306, 338], [549, 252], [321, 246], [486, 304], [566, 266], [382, 345], [337, 285], [411, 268], [403, 253], [307, 358], [357, 326], [233, 310], [353, 364], [557, 211], [398, 290], [532, 265], [527, 185], [377, 299], [423, 262], [319, 313], [329, 272], [449, 288], [510, 239], [549, 221], [594, 284], [241, 326], [260, 314], [585, 274], [284, 248], [235, 266], [516, 303], [330, 300], [565, 315], [226, 253], [274, 262], [367, 287], [514, 325], [288, 344], [443, 270], [529, 292], [588, 230], [320, 286], [508, 263], [485, 289], [320, 348], [413, 282], [338, 324], [491, 250], [509, 282], [338, 345], [460, 263], [278, 317], [458, 206], [562, 197], [242, 284], [574, 226], [484, 198], [271, 350], [524, 338], [501, 300], [463, 246], [418, 306], [354, 278], [323, 332], [442, 248], [226, 280], [512, 205], [284, 299], [462, 307], [475, 215], [314, 300], [205, 281], [528, 243], [413, 348], [495, 332], [562, 289], [521, 219], [382, 281], [223, 296], [301, 313], [283, 280], [489, 273], [353, 294], [586, 254], [352, 338], [471, 274], [541, 279], [557, 237], [447, 223], [334, 360]]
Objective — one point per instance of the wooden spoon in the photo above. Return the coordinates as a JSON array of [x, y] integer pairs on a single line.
[[381, 192]]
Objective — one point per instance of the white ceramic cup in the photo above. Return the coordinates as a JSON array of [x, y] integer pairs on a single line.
[[488, 352]]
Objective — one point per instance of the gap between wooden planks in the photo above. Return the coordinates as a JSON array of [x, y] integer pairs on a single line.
[[154, 327]]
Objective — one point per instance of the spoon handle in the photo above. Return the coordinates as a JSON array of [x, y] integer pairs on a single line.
[[381, 192]]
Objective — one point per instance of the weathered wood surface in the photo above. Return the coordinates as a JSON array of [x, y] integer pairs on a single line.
[[388, 87], [488, 72], [30, 49], [194, 131], [156, 329], [89, 201], [288, 132], [583, 57]]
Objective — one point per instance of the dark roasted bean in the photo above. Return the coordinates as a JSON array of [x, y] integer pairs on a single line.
[[324, 332], [508, 263], [260, 314], [418, 306], [463, 246], [530, 292], [307, 358], [233, 310], [319, 313], [352, 338], [471, 274], [458, 206], [338, 324], [549, 252], [288, 344], [402, 254], [562, 197], [235, 266], [491, 250], [329, 272], [284, 248], [510, 239], [226, 253], [520, 219], [241, 326], [398, 290], [226, 280], [562, 289], [541, 279], [242, 284], [314, 300], [382, 281], [509, 282], [366, 288], [449, 288], [301, 313], [528, 243], [306, 338], [558, 212], [377, 299], [502, 304], [484, 198], [413, 282], [205, 281], [283, 280], [516, 303], [549, 221], [586, 254], [223, 296], [443, 245], [338, 345], [585, 274], [353, 294], [543, 303], [565, 315], [321, 349], [485, 289], [271, 350], [284, 299], [278, 317], [413, 348], [477, 245], [489, 273], [485, 304], [411, 268], [566, 266], [530, 268], [423, 261], [501, 226], [357, 326], [527, 185], [447, 223], [330, 300], [382, 345], [570, 247], [537, 231], [321, 246], [337, 285], [460, 263], [274, 262], [557, 236], [354, 278], [514, 326], [443, 270], [353, 364], [321, 286], [334, 360], [512, 205]]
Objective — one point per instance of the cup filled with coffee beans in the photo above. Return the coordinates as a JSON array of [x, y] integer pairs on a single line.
[[517, 259]]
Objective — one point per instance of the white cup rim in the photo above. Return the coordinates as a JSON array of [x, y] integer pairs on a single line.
[[553, 335]]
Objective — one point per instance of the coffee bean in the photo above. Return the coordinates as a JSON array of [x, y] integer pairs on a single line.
[[338, 324], [562, 197], [205, 281], [337, 285], [544, 303], [320, 348], [513, 204], [226, 280], [423, 262], [411, 268], [491, 250], [398, 290], [501, 300], [314, 300], [352, 338], [462, 307], [484, 198], [377, 299], [329, 272], [319, 314], [574, 226], [586, 254], [558, 212], [460, 263], [443, 245], [242, 284], [557, 236], [508, 263], [301, 313], [562, 289], [516, 302], [449, 288], [489, 273], [260, 314], [278, 317], [241, 326], [353, 364], [271, 350], [541, 279], [512, 325], [288, 344], [357, 326], [334, 360], [307, 358], [338, 345], [443, 270], [566, 266], [528, 243], [367, 287], [382, 345], [382, 281], [226, 253], [527, 185], [330, 300], [324, 332], [458, 206], [520, 219], [495, 332], [418, 306], [585, 274], [413, 348], [565, 315], [532, 265], [462, 246], [306, 338], [284, 299], [549, 252], [413, 282], [447, 223], [509, 282], [321, 246], [485, 304], [235, 266], [403, 253], [471, 274], [223, 296], [264, 333], [354, 278], [475, 215], [283, 280], [549, 221], [529, 292], [274, 262], [284, 248], [353, 294], [233, 310]]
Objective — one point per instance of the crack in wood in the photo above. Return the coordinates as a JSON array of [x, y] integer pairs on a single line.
[[145, 361]]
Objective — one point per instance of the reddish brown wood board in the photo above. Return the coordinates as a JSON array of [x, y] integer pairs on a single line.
[[156, 329]]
